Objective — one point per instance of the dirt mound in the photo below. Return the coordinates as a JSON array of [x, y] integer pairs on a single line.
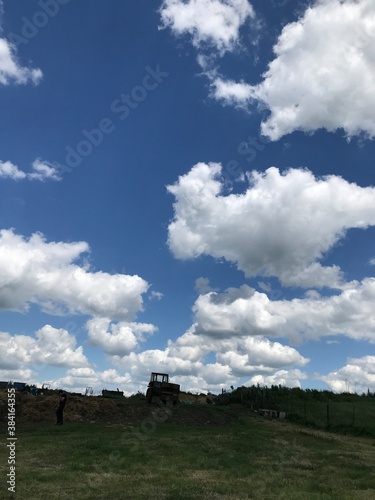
[[125, 411], [42, 408]]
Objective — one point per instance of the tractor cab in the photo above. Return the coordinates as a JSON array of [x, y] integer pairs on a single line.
[[159, 377]]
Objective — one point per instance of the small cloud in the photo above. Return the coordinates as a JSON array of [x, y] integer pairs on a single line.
[[156, 295], [42, 171], [265, 286], [229, 92], [11, 171], [202, 286], [210, 23]]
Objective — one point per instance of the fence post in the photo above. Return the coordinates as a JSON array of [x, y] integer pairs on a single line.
[[353, 417], [328, 416]]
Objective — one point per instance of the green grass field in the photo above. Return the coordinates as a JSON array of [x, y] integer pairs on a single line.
[[162, 458]]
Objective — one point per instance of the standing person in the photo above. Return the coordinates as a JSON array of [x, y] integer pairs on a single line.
[[60, 408]]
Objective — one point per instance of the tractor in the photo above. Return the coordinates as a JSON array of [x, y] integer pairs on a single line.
[[161, 391]]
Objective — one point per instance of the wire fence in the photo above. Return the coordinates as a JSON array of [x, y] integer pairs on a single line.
[[354, 418]]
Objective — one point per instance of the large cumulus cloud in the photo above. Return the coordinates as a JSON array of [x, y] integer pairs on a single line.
[[200, 360], [46, 273], [245, 312], [281, 225], [322, 76], [358, 375], [50, 346], [117, 339]]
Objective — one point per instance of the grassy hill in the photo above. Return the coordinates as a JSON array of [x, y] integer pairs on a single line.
[[188, 452]]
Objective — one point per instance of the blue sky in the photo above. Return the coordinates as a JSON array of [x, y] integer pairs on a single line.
[[187, 186]]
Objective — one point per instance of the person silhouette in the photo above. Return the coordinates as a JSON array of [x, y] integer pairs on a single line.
[[60, 408]]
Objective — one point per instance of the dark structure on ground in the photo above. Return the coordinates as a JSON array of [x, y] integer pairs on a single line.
[[160, 390], [112, 394]]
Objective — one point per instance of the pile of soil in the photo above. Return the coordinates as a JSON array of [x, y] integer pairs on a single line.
[[96, 409], [42, 408]]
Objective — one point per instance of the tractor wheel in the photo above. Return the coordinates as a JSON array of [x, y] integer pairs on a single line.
[[149, 395]]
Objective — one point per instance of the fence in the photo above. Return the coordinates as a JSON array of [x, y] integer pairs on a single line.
[[354, 418]]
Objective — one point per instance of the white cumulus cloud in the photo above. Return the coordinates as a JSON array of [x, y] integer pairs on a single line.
[[10, 69], [358, 375], [243, 312], [36, 271], [215, 23], [231, 93], [235, 356], [41, 171], [281, 225], [52, 346], [78, 379], [117, 339], [322, 76], [287, 378]]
